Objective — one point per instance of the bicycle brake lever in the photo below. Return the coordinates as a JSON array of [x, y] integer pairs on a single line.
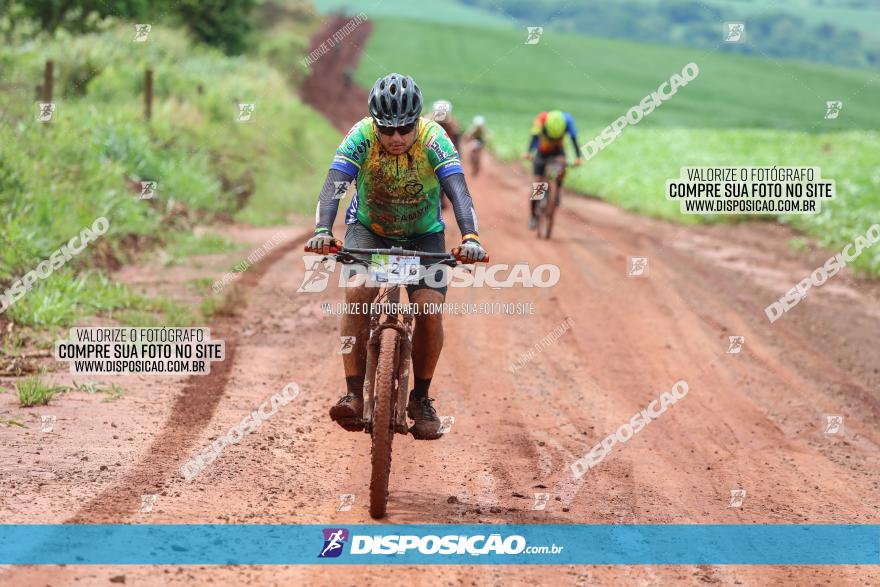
[[463, 262]]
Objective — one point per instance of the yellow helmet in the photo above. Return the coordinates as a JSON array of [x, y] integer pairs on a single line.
[[555, 125]]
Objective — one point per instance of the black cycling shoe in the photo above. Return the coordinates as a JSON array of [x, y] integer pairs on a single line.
[[427, 424], [349, 412]]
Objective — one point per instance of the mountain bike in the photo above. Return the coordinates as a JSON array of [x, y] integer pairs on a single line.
[[476, 151], [389, 351], [548, 204]]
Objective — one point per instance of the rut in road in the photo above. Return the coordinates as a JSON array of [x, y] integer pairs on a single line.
[[192, 411]]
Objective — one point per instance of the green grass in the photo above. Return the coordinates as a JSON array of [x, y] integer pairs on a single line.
[[33, 391], [187, 244], [112, 391], [852, 158], [865, 19], [799, 244], [226, 303], [156, 311], [441, 11], [12, 344], [10, 422], [492, 72], [200, 284], [56, 178], [738, 111], [64, 296]]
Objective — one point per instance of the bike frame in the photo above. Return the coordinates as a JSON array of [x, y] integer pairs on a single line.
[[555, 170], [402, 324], [389, 355], [554, 174]]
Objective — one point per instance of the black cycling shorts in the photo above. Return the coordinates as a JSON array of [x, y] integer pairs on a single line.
[[358, 236], [540, 163]]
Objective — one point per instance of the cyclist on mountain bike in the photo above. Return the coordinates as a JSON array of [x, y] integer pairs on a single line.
[[548, 132], [477, 137], [399, 162], [441, 112]]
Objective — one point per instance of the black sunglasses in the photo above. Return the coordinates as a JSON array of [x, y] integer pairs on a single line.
[[389, 131]]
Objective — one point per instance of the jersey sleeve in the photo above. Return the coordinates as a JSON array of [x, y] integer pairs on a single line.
[[572, 131], [569, 126], [353, 151], [440, 151], [538, 123]]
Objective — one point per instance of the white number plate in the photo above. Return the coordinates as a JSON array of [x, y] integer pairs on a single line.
[[394, 269]]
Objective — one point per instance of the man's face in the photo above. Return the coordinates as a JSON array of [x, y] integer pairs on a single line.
[[397, 143]]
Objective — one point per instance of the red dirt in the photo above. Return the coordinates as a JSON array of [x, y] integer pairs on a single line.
[[327, 89], [752, 420]]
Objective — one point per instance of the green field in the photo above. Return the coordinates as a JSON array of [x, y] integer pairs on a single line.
[[445, 11], [865, 19], [494, 72], [738, 111]]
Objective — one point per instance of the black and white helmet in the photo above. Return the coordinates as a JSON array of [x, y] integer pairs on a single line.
[[395, 100]]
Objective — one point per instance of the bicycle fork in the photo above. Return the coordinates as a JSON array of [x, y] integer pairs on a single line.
[[404, 358], [402, 362]]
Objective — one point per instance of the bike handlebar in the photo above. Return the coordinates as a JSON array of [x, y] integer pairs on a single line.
[[400, 252], [393, 251]]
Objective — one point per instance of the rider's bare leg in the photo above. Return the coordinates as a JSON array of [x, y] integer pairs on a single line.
[[357, 325], [559, 181], [428, 334], [348, 410], [427, 342]]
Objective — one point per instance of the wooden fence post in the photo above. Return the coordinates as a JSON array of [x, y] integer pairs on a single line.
[[47, 80], [148, 94]]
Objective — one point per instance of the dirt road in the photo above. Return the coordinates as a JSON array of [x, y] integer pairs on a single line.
[[753, 420], [329, 88]]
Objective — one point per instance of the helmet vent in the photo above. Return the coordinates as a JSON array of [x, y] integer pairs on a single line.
[[395, 100]]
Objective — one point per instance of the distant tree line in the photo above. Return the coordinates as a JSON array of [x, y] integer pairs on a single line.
[[693, 23]]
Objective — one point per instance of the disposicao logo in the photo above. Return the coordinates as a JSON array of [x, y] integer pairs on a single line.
[[334, 540]]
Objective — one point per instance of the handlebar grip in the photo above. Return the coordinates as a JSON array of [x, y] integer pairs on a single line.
[[333, 249], [459, 259]]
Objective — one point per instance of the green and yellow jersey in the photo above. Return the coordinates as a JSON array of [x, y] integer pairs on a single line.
[[397, 196]]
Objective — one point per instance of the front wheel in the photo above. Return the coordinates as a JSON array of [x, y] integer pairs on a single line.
[[545, 212], [383, 422]]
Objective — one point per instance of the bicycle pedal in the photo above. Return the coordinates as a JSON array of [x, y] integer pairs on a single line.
[[351, 424]]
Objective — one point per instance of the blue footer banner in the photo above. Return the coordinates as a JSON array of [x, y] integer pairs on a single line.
[[631, 544]]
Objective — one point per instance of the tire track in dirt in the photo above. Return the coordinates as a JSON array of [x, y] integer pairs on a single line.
[[192, 411]]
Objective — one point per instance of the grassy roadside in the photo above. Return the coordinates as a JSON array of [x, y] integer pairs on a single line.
[[57, 178]]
